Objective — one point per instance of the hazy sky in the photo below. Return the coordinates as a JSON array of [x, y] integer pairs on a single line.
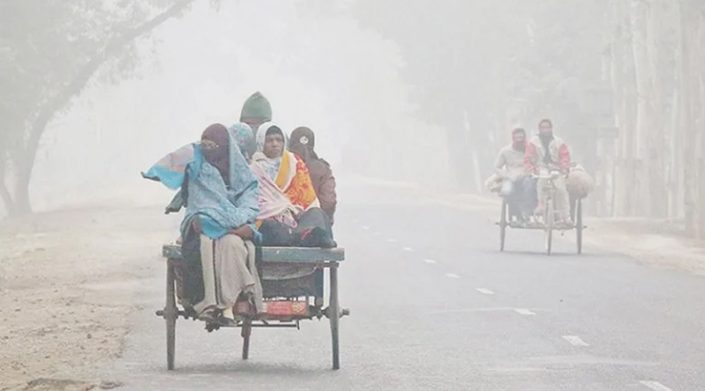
[[198, 69]]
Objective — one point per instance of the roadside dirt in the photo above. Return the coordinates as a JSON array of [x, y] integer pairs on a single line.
[[66, 290], [68, 281]]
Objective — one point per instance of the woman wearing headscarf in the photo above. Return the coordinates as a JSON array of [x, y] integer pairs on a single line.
[[245, 137], [218, 231], [290, 214], [221, 197], [301, 143]]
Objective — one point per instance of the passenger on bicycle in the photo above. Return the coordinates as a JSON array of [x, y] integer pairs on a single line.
[[547, 154], [515, 187]]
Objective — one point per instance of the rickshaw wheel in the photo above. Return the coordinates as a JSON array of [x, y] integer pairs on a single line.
[[579, 226], [548, 221], [503, 226], [334, 315], [246, 333], [170, 315]]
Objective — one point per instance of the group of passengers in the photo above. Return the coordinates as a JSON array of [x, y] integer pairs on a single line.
[[523, 169], [245, 185]]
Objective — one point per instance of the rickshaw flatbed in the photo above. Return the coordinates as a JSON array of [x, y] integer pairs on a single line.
[[305, 257]]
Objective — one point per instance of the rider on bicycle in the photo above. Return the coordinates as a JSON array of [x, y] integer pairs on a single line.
[[509, 167], [550, 154]]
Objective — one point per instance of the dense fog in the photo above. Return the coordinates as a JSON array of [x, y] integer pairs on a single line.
[[409, 91]]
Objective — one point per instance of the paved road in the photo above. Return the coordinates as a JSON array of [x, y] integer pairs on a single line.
[[436, 306]]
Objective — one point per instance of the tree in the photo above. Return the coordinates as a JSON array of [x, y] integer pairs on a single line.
[[485, 66], [49, 51]]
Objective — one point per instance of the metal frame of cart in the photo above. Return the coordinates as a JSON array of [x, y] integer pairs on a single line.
[[306, 257], [578, 226]]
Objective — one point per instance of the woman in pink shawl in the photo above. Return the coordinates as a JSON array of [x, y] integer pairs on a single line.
[[290, 214]]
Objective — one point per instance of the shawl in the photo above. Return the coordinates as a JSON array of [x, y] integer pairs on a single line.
[[220, 207]]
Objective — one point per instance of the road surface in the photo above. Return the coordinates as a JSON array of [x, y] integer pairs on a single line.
[[435, 305]]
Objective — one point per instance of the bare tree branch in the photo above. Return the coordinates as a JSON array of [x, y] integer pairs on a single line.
[[112, 49]]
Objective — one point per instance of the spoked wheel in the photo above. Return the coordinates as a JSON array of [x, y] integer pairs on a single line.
[[503, 225], [548, 221], [170, 315], [579, 225], [334, 315], [246, 333]]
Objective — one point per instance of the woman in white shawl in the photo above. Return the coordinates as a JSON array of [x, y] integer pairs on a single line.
[[290, 214]]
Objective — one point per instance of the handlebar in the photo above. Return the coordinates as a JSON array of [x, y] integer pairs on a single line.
[[550, 175]]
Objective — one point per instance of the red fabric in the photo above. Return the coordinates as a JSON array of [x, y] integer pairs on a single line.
[[300, 191], [530, 159], [564, 158]]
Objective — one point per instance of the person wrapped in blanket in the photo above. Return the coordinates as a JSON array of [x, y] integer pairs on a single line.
[[302, 144], [290, 213], [218, 231]]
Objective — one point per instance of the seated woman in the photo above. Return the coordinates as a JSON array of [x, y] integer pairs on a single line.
[[302, 143], [218, 230], [290, 214]]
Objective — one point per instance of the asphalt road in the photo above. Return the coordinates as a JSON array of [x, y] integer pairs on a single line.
[[435, 305]]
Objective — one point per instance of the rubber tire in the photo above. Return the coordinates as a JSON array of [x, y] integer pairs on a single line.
[[334, 316], [170, 315], [548, 221], [579, 226], [246, 333], [503, 226]]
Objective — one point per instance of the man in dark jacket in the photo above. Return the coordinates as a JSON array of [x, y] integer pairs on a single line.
[[302, 142]]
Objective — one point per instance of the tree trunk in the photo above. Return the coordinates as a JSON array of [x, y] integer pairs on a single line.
[[689, 171], [649, 133], [47, 112], [699, 124], [6, 198], [5, 195], [693, 117], [624, 86]]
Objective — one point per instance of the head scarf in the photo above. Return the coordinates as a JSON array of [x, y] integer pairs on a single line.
[[519, 146], [223, 202], [302, 143], [218, 157], [271, 165], [546, 137], [245, 138], [262, 135]]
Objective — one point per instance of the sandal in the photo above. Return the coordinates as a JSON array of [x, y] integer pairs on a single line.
[[209, 315]]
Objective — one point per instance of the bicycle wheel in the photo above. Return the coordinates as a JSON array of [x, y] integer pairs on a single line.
[[503, 225], [579, 226], [549, 217]]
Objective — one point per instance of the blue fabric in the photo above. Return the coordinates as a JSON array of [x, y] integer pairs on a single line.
[[170, 170], [220, 208], [245, 138], [169, 178]]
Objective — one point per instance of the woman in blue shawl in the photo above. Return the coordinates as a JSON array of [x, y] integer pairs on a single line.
[[221, 196]]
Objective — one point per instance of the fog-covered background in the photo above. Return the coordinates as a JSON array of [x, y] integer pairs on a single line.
[[93, 92]]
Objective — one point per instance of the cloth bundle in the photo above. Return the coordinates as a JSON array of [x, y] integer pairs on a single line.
[[579, 183]]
